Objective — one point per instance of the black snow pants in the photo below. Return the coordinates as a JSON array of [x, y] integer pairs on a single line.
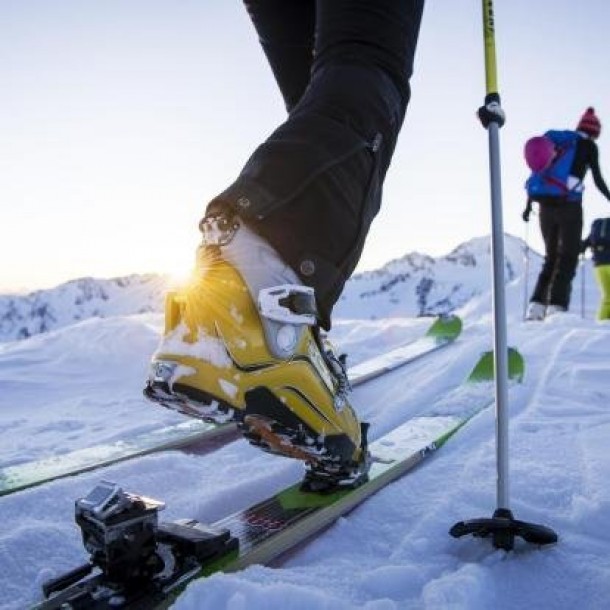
[[561, 227], [314, 186]]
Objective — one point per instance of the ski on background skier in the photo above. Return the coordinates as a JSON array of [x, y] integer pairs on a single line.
[[443, 331], [139, 563]]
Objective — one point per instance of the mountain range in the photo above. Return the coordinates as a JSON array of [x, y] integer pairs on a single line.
[[413, 285]]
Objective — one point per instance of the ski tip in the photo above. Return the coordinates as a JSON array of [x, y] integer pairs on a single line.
[[484, 368], [445, 328]]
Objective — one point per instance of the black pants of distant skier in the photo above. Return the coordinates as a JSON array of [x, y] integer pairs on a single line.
[[313, 187], [561, 227]]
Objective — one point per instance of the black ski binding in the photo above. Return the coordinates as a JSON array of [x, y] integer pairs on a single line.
[[349, 476], [134, 560]]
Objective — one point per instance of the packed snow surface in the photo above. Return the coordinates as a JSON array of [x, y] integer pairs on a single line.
[[81, 385]]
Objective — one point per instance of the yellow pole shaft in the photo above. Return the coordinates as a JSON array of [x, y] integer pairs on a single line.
[[491, 73]]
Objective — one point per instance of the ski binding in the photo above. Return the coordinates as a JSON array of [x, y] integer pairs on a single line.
[[132, 555]]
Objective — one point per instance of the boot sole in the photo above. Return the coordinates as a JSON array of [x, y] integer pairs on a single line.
[[192, 402]]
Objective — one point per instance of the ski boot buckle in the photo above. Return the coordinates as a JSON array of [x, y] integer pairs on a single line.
[[289, 304]]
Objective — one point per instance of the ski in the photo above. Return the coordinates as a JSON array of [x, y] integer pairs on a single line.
[[442, 332], [138, 563], [178, 436]]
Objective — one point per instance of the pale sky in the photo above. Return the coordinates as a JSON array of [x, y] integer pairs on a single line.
[[120, 119]]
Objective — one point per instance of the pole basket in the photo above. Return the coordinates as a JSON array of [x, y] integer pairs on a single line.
[[503, 528]]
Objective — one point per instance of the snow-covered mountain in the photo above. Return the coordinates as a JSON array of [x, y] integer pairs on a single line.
[[417, 285], [413, 285], [44, 310]]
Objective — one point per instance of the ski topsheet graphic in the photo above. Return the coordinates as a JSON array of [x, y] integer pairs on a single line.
[[442, 332], [140, 563]]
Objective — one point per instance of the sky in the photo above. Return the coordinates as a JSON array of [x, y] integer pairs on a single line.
[[81, 385], [120, 120]]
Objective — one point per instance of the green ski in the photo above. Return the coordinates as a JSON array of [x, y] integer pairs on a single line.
[[441, 333], [117, 524]]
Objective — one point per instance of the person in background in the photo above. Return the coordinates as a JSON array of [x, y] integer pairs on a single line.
[[559, 161], [244, 341], [599, 242]]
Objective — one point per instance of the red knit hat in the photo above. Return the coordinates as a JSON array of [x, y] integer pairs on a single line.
[[589, 123]]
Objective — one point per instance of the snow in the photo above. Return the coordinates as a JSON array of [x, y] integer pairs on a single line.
[[81, 385]]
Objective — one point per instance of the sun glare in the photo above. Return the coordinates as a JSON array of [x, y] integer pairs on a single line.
[[180, 277]]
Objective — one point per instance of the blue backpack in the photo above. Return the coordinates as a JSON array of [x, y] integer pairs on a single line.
[[555, 180], [599, 241]]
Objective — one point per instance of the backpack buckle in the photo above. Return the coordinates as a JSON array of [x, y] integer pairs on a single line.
[[288, 303]]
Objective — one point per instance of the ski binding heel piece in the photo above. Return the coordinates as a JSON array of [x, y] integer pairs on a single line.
[[132, 556]]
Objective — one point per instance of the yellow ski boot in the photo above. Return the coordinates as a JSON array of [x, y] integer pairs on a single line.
[[242, 344]]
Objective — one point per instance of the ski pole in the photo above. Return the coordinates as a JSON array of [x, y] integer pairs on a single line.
[[502, 526], [492, 116], [526, 271], [582, 285]]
